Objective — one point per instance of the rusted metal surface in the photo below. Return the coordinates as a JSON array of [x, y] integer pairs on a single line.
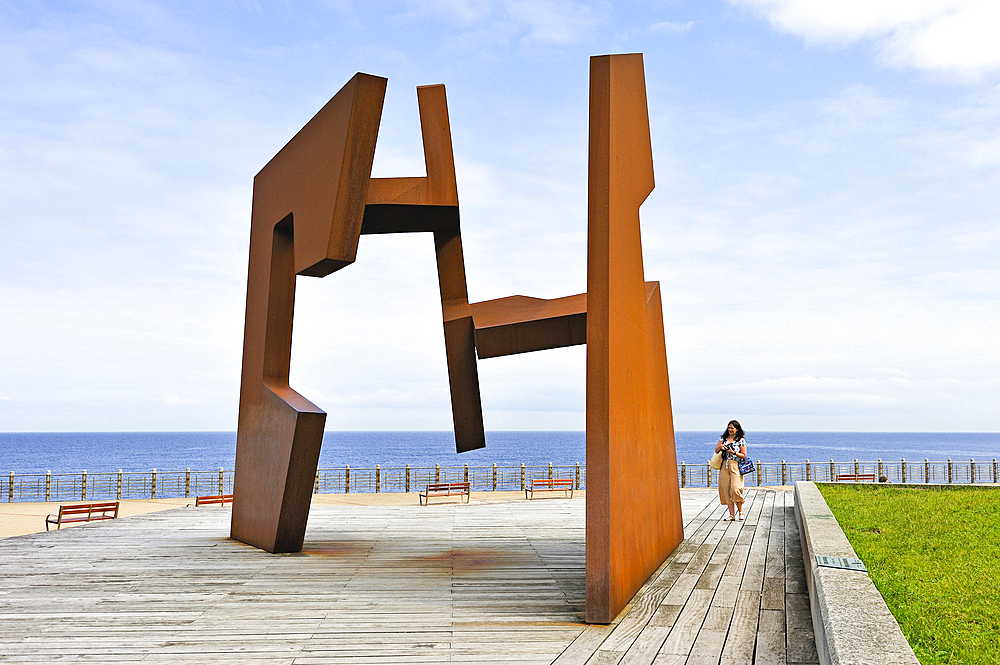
[[312, 203], [633, 501], [308, 206]]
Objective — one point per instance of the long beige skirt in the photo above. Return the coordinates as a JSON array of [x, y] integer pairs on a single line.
[[730, 483]]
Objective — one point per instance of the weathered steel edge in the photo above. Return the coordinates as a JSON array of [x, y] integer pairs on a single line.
[[851, 621]]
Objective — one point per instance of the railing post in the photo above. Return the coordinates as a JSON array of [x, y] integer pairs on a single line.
[[972, 471], [708, 474], [784, 476], [683, 473], [994, 469], [347, 478], [153, 486], [808, 475], [760, 474], [187, 482], [378, 478], [857, 469], [880, 474], [316, 483], [522, 476], [902, 464], [577, 475], [407, 477], [221, 477], [550, 470], [833, 474], [495, 474], [48, 485], [465, 474], [83, 485], [10, 488], [437, 473], [949, 470], [927, 470], [118, 492]]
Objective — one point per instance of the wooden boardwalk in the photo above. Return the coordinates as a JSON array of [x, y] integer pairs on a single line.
[[489, 582]]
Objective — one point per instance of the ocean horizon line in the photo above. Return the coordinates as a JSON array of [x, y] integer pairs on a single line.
[[37, 452]]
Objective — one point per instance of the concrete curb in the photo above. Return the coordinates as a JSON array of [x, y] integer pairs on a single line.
[[852, 623]]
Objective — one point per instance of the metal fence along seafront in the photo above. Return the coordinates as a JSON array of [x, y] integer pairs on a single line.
[[171, 484]]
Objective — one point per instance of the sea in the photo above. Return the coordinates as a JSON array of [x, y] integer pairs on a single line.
[[105, 452]]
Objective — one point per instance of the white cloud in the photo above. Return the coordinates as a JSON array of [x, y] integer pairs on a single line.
[[937, 35], [466, 11], [670, 28], [538, 22], [556, 22]]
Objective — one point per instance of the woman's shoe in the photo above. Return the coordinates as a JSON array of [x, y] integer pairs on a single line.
[[740, 517]]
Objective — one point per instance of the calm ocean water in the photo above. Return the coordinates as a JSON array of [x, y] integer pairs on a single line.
[[101, 452]]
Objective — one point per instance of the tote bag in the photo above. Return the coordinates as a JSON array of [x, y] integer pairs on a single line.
[[716, 461]]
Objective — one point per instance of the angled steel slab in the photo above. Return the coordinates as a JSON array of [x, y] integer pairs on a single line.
[[308, 206]]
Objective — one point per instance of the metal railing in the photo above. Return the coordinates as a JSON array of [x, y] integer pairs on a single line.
[[121, 485], [410, 479], [171, 484], [155, 484], [903, 471]]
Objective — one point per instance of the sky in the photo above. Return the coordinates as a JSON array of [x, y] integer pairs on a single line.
[[824, 225]]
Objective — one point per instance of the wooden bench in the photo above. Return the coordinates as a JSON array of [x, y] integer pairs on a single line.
[[83, 512], [549, 485], [445, 489], [855, 477], [215, 500]]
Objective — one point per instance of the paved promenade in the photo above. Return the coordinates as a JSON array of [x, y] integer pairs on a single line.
[[499, 580]]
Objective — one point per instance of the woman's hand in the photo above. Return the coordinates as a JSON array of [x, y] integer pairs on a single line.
[[718, 446]]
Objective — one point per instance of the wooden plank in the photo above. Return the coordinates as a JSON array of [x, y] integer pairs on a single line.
[[707, 648], [674, 579], [584, 646], [646, 646], [685, 629], [770, 649], [739, 646], [498, 582], [651, 617]]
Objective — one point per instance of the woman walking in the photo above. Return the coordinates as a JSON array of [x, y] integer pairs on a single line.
[[733, 447]]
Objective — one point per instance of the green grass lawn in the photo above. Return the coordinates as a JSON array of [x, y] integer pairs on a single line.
[[934, 554]]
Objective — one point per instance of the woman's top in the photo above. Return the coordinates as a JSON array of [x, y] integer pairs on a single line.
[[730, 448]]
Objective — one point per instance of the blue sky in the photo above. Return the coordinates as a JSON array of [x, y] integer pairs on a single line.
[[824, 224]]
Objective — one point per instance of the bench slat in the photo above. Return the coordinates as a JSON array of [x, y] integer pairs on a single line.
[[549, 485], [444, 489], [855, 477], [214, 500], [83, 512]]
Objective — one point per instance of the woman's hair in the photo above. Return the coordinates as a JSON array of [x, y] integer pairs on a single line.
[[739, 431]]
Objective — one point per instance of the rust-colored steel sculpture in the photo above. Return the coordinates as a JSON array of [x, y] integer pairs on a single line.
[[315, 199], [633, 500]]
